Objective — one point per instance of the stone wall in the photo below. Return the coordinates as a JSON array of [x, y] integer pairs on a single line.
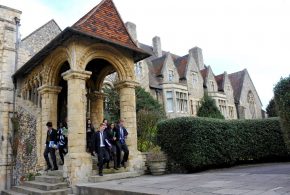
[[26, 158], [34, 42], [7, 64]]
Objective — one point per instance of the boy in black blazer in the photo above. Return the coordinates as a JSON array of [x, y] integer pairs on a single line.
[[100, 144], [50, 146]]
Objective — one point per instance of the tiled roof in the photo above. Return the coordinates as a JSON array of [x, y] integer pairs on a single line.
[[157, 65], [181, 65], [220, 81], [204, 73], [104, 22], [237, 80]]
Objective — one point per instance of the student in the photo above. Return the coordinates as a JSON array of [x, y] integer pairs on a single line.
[[111, 136], [121, 135], [100, 144], [62, 142], [50, 146], [90, 131]]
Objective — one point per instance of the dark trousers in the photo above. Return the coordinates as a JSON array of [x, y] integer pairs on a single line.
[[61, 152], [103, 157], [52, 154], [113, 155], [122, 147]]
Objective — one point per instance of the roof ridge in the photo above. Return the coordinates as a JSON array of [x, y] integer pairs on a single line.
[[52, 20], [89, 14]]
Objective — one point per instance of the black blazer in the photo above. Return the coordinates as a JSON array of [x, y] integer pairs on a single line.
[[117, 132], [51, 136], [97, 141]]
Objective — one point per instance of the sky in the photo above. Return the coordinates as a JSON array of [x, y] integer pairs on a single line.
[[233, 34]]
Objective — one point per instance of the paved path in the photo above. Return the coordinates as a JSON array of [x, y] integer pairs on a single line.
[[266, 179]]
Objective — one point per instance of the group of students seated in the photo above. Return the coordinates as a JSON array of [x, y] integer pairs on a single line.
[[107, 143]]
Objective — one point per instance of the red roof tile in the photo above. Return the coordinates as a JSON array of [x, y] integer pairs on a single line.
[[157, 65], [220, 81], [204, 73], [181, 65], [104, 22]]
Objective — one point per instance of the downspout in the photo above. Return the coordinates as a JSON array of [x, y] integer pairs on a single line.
[[17, 22]]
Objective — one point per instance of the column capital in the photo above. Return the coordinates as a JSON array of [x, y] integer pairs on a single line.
[[126, 84], [49, 89], [75, 74], [96, 95]]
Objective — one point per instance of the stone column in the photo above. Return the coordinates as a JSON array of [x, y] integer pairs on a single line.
[[49, 95], [128, 113], [78, 163], [97, 107]]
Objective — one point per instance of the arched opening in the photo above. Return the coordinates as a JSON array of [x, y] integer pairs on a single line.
[[97, 101], [62, 96]]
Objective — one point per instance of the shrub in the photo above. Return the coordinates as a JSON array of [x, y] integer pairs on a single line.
[[146, 128], [271, 109], [198, 143], [209, 109], [282, 101]]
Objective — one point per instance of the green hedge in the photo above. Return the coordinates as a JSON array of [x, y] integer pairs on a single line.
[[198, 143], [282, 102]]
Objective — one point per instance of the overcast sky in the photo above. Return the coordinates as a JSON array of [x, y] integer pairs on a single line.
[[233, 34]]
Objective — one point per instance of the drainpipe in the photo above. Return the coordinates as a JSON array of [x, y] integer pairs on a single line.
[[17, 22]]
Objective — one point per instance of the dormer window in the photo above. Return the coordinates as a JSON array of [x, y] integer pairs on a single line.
[[170, 75]]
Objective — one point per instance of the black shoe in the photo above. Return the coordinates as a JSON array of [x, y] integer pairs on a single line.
[[108, 167], [100, 174], [116, 168], [55, 169], [47, 169], [61, 163], [123, 164]]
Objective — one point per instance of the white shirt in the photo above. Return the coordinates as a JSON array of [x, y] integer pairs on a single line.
[[101, 139]]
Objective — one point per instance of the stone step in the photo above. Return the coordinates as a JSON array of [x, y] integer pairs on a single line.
[[49, 179], [108, 177], [58, 173], [11, 192], [111, 171], [45, 186], [33, 191]]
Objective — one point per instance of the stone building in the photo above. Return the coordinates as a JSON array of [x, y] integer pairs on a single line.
[[52, 74], [179, 83]]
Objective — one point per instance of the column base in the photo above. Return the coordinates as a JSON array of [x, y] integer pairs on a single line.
[[136, 162], [77, 167]]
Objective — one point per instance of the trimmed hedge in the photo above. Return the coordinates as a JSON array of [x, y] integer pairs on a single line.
[[282, 102], [199, 143]]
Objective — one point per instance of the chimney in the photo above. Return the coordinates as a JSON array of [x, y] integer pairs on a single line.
[[196, 53], [131, 28], [157, 46]]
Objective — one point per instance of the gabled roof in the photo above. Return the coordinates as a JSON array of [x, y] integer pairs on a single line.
[[102, 24], [158, 64], [104, 21], [204, 73], [51, 22], [220, 79], [181, 65], [237, 80]]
